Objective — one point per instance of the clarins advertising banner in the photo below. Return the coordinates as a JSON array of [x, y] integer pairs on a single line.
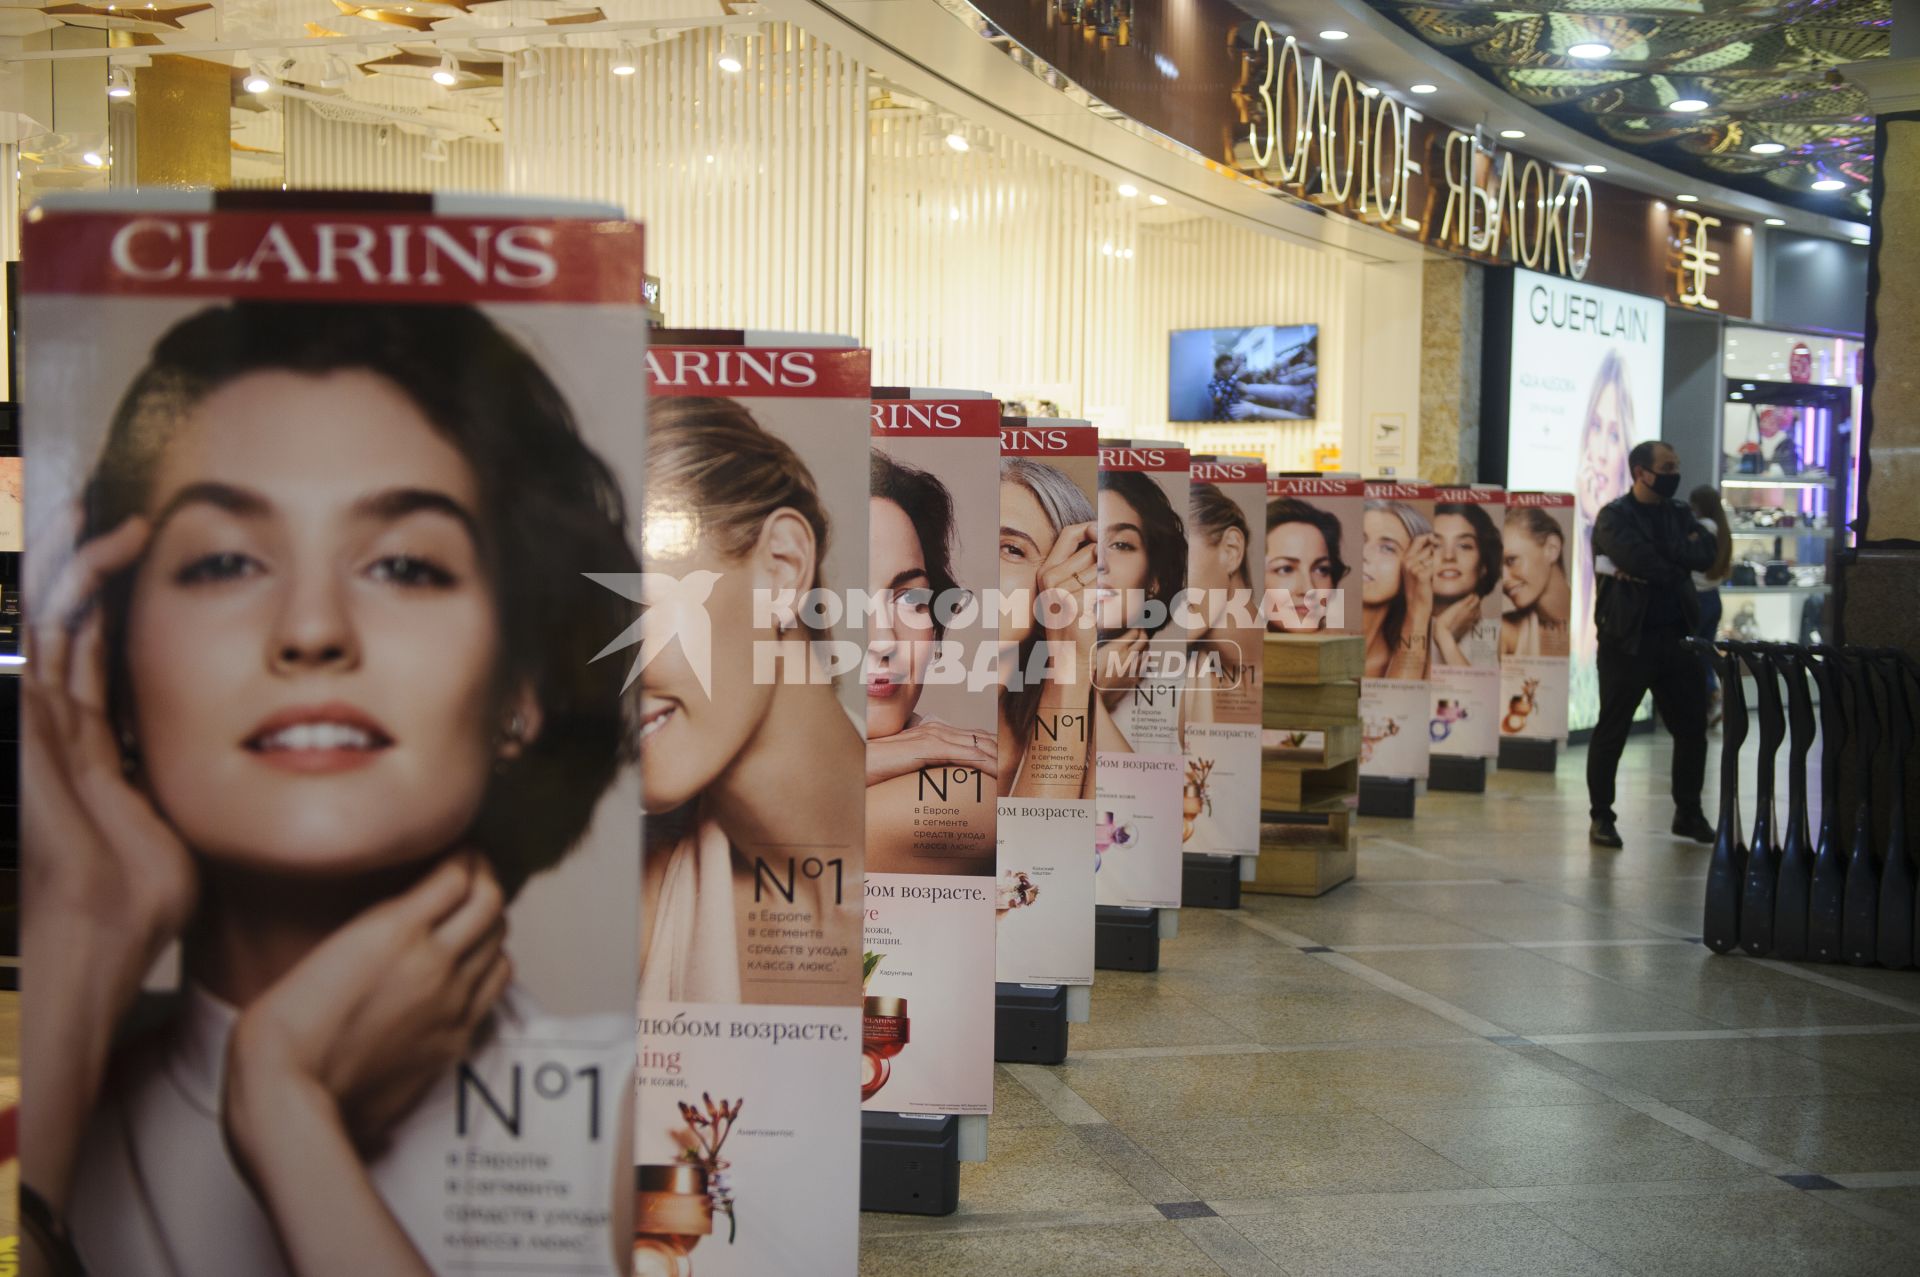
[[1586, 383], [1468, 566], [1048, 550], [933, 709], [1398, 560], [1140, 671], [753, 721], [1536, 625], [1313, 545], [1220, 795], [334, 527]]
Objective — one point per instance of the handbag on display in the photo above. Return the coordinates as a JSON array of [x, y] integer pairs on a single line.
[[1787, 457], [1779, 572], [1744, 577]]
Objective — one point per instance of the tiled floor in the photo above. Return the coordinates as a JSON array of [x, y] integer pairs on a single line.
[[1508, 1055]]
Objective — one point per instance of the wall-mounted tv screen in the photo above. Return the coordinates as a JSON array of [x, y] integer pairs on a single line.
[[1270, 372]]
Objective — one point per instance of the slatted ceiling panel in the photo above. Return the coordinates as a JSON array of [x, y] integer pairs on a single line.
[[345, 154], [767, 234]]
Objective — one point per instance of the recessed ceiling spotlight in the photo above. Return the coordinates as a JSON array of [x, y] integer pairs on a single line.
[[1776, 221], [1513, 133], [1423, 88], [1590, 49], [1767, 148], [119, 83], [1829, 184], [623, 61], [1127, 190], [1688, 105], [729, 59], [1594, 168], [957, 141], [257, 81], [1158, 201], [1333, 33], [92, 160], [1688, 199]]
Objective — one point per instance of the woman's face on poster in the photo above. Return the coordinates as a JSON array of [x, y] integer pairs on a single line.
[[1026, 538], [900, 640], [1383, 555], [1297, 561], [1603, 453], [1529, 566], [313, 641], [1124, 582], [1458, 567]]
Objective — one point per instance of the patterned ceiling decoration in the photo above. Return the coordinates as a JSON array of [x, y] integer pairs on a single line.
[[1765, 70]]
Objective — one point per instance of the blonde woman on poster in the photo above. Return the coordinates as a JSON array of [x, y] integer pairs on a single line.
[[296, 703], [1220, 575], [1606, 436], [1396, 589], [1539, 611], [733, 772]]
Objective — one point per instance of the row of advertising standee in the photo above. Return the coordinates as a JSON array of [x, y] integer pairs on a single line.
[[377, 485]]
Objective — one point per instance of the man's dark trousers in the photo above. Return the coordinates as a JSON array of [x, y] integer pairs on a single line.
[[1672, 673]]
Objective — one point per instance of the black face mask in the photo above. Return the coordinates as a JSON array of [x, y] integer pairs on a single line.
[[1666, 485]]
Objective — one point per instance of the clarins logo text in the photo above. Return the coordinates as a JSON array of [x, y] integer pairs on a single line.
[[907, 415], [394, 254], [734, 369]]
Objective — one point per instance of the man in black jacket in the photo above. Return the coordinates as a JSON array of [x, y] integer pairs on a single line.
[[1646, 546]]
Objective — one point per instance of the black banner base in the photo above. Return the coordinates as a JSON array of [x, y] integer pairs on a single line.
[[1389, 796], [1210, 882], [1518, 754], [910, 1163], [1457, 775], [1029, 1023], [1126, 939]]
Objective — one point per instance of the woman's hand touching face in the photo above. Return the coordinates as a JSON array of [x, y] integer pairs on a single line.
[[1418, 571]]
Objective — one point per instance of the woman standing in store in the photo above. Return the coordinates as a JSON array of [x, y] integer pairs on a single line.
[[1396, 589], [1539, 599], [1466, 572], [723, 788], [1303, 564], [1706, 503], [297, 703]]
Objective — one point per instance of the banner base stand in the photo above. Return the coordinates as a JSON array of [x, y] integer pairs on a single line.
[[1079, 1004], [1169, 921], [910, 1163], [1519, 754], [973, 1137], [1209, 882], [1457, 775], [1390, 796], [1029, 1023], [1249, 867], [1125, 938]]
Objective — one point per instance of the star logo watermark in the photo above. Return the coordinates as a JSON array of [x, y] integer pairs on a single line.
[[674, 607]]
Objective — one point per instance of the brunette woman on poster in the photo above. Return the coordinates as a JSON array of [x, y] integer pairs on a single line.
[[1606, 436], [1048, 544], [1221, 583], [1539, 611], [296, 702], [1396, 588], [735, 774], [910, 539], [1466, 572], [1303, 564], [1142, 570]]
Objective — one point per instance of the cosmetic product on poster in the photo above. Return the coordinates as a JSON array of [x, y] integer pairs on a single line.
[[754, 751], [326, 506], [1140, 672], [933, 711], [1398, 559], [1049, 561], [1468, 567], [1220, 794], [1537, 620]]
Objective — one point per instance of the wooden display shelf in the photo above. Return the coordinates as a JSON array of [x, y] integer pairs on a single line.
[[1336, 744], [1305, 859], [1286, 787], [1303, 657], [1310, 704]]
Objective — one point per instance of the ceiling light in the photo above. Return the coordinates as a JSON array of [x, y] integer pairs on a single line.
[[1423, 88], [1688, 105], [1776, 221], [92, 160], [957, 141], [257, 81], [1158, 201], [334, 74], [119, 83], [953, 212], [1863, 242], [1514, 134], [436, 152], [623, 63], [1106, 249], [1595, 168], [729, 59], [1590, 49], [1688, 199], [533, 64], [1829, 184], [1333, 33], [446, 75], [1127, 190], [1767, 148]]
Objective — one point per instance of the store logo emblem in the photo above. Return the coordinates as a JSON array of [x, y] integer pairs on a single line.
[[675, 607], [1695, 263]]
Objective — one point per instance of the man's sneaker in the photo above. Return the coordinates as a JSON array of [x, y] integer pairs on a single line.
[[1693, 825], [1602, 834]]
